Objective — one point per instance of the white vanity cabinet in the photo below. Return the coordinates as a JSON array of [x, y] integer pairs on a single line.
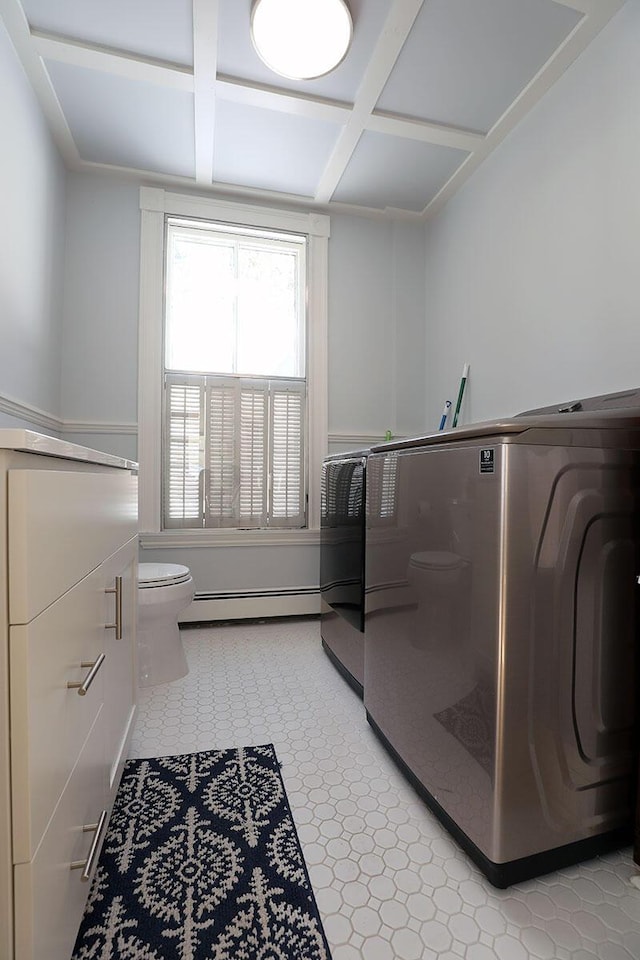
[[68, 593]]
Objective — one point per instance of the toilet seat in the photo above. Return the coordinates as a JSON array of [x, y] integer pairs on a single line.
[[161, 574]]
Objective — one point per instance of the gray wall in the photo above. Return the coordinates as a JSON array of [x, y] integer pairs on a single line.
[[376, 328], [32, 185], [100, 360], [532, 269], [409, 306]]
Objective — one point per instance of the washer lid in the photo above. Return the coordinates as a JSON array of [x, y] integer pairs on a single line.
[[161, 574]]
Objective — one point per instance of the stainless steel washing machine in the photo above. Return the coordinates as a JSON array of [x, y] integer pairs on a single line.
[[501, 627]]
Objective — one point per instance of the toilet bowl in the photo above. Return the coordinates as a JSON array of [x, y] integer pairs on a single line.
[[164, 590], [439, 580], [435, 569]]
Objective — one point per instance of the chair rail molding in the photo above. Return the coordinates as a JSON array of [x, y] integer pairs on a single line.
[[26, 411], [99, 426], [22, 410]]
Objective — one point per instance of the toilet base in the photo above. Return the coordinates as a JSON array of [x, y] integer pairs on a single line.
[[161, 656]]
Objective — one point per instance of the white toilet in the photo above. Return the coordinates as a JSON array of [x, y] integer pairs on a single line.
[[439, 578], [439, 569], [164, 590]]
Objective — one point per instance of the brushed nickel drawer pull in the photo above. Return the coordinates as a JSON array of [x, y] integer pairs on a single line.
[[87, 866], [82, 686], [117, 626]]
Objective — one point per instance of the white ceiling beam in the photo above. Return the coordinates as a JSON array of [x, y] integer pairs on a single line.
[[302, 105], [205, 62], [283, 101], [424, 131], [231, 190], [237, 192], [387, 50], [577, 41], [589, 6], [117, 62], [18, 29], [375, 213]]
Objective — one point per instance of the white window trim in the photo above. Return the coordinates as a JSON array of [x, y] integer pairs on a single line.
[[155, 204]]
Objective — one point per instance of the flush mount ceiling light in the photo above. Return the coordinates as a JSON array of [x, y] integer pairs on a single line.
[[301, 39]]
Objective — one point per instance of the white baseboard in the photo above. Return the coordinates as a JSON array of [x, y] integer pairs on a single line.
[[248, 607], [300, 602]]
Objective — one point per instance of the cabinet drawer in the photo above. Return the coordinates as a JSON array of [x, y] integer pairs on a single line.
[[49, 895], [49, 720], [120, 668], [61, 526]]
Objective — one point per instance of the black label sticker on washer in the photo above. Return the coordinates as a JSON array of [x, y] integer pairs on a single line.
[[487, 460]]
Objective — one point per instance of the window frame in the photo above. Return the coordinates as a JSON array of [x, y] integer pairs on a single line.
[[156, 204]]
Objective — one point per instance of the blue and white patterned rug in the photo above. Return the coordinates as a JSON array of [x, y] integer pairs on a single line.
[[202, 860]]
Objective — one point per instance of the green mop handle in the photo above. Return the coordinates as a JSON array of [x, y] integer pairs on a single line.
[[463, 383]]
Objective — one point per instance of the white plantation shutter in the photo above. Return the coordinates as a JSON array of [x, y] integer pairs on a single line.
[[251, 456], [286, 430], [182, 484], [388, 493], [220, 508], [382, 492], [326, 496]]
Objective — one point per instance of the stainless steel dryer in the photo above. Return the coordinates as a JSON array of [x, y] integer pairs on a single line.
[[342, 533], [501, 627]]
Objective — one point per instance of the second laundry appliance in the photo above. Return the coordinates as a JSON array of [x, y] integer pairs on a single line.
[[342, 553], [501, 625]]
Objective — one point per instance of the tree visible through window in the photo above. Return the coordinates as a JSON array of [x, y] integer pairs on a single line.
[[235, 384]]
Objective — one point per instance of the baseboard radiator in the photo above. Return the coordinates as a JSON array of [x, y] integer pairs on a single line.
[[249, 604]]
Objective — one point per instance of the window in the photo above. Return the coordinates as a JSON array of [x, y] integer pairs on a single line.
[[262, 394], [235, 377]]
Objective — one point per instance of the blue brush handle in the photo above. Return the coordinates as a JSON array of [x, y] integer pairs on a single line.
[[445, 414]]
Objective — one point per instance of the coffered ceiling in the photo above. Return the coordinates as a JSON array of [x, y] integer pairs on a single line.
[[173, 91]]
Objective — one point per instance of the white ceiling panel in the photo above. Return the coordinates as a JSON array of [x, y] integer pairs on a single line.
[[237, 57], [270, 150], [465, 61], [392, 172], [162, 29], [125, 122]]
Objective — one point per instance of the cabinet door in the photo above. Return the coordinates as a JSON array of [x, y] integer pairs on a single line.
[[49, 720], [50, 894], [120, 574]]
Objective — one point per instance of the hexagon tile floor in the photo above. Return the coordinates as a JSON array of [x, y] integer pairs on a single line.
[[389, 881]]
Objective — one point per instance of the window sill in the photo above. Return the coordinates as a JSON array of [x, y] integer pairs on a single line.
[[229, 538]]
